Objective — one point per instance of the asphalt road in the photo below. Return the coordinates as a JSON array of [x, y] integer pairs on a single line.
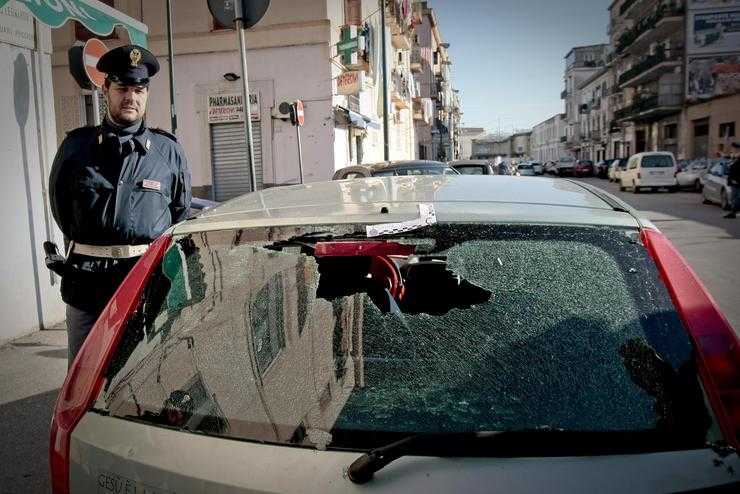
[[32, 368], [710, 243]]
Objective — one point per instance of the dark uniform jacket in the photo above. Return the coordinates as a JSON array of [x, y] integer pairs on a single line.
[[103, 192], [733, 177]]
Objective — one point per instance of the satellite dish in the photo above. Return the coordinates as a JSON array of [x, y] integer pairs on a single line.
[[224, 11]]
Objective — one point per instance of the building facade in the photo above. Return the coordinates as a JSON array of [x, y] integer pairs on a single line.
[[548, 139], [581, 63], [467, 135]]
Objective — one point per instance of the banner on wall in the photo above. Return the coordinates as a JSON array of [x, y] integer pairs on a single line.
[[224, 108], [714, 32], [710, 76]]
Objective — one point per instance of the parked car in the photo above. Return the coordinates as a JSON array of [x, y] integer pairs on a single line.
[[474, 167], [551, 168], [616, 168], [538, 168], [505, 168], [650, 170], [690, 176], [601, 169], [525, 169], [565, 166], [583, 168], [277, 341], [715, 189], [395, 168]]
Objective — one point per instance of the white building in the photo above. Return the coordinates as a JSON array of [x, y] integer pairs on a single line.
[[467, 134], [292, 55], [548, 139]]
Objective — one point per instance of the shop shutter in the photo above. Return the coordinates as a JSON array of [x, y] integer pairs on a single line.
[[229, 159]]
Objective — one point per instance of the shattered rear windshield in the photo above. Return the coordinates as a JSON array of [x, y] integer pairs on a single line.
[[321, 337]]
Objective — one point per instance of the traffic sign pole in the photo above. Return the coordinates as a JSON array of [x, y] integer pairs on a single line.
[[240, 28], [96, 105]]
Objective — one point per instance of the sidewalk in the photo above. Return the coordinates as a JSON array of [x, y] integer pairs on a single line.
[[32, 369]]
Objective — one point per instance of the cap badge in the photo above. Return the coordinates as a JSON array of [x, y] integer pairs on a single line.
[[135, 56]]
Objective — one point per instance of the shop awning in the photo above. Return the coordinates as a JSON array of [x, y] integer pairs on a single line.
[[95, 16]]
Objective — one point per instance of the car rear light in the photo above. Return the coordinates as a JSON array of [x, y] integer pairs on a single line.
[[86, 375], [639, 176], [718, 347]]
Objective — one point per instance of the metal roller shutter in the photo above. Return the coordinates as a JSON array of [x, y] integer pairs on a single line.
[[229, 159]]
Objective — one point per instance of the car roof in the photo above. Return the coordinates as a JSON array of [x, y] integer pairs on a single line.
[[468, 162], [485, 199], [654, 153]]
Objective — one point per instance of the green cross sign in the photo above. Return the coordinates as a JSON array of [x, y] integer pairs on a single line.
[[94, 15], [349, 45]]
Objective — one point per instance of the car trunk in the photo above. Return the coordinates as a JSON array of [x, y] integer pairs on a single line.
[[268, 359]]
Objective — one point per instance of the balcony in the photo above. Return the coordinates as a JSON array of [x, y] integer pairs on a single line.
[[563, 138], [564, 94], [651, 68], [401, 91], [626, 6], [614, 127], [595, 135], [584, 109], [650, 108], [662, 22]]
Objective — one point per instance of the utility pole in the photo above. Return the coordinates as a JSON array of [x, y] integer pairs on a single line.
[[241, 29], [386, 145], [173, 111]]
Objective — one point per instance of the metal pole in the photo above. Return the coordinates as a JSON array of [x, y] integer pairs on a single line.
[[300, 153], [173, 112], [245, 91], [386, 145], [96, 105]]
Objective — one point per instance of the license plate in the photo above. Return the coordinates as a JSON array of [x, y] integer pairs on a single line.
[[656, 173]]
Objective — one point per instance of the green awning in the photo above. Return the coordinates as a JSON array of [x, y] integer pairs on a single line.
[[95, 16]]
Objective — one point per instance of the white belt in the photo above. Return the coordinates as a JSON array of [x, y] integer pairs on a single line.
[[110, 251]]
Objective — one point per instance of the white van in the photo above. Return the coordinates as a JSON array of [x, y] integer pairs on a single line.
[[649, 170]]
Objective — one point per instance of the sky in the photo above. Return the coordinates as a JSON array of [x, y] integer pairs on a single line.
[[508, 55]]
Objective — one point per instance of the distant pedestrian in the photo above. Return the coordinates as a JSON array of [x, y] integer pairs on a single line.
[[733, 181], [114, 189]]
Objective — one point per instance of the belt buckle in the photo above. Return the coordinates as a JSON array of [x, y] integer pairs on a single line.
[[116, 252]]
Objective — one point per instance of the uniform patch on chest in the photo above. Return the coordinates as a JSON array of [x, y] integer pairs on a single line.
[[151, 184]]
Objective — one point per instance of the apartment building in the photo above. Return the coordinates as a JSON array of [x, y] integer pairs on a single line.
[[581, 63], [548, 139], [293, 53], [597, 140], [649, 40]]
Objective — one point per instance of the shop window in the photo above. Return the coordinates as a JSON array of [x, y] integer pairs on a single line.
[[670, 131], [727, 130], [84, 34]]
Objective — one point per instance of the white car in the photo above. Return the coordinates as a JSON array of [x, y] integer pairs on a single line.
[[715, 188], [426, 333], [691, 176], [538, 168], [650, 170]]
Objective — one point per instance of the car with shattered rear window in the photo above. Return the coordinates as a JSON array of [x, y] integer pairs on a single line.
[[411, 334]]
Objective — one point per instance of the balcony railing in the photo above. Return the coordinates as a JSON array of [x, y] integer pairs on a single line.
[[646, 24], [648, 63], [647, 103], [595, 135]]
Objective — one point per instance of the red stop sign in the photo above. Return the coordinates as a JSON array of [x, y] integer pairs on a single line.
[[299, 114], [91, 53]]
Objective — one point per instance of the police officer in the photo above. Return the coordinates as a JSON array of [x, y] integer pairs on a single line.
[[733, 180], [114, 188]]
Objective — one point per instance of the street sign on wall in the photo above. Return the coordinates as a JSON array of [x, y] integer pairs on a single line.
[[16, 26], [229, 108], [351, 82]]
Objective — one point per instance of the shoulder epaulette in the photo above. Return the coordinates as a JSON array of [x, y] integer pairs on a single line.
[[163, 132]]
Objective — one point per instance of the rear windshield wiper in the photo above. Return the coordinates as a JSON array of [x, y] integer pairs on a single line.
[[531, 443]]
